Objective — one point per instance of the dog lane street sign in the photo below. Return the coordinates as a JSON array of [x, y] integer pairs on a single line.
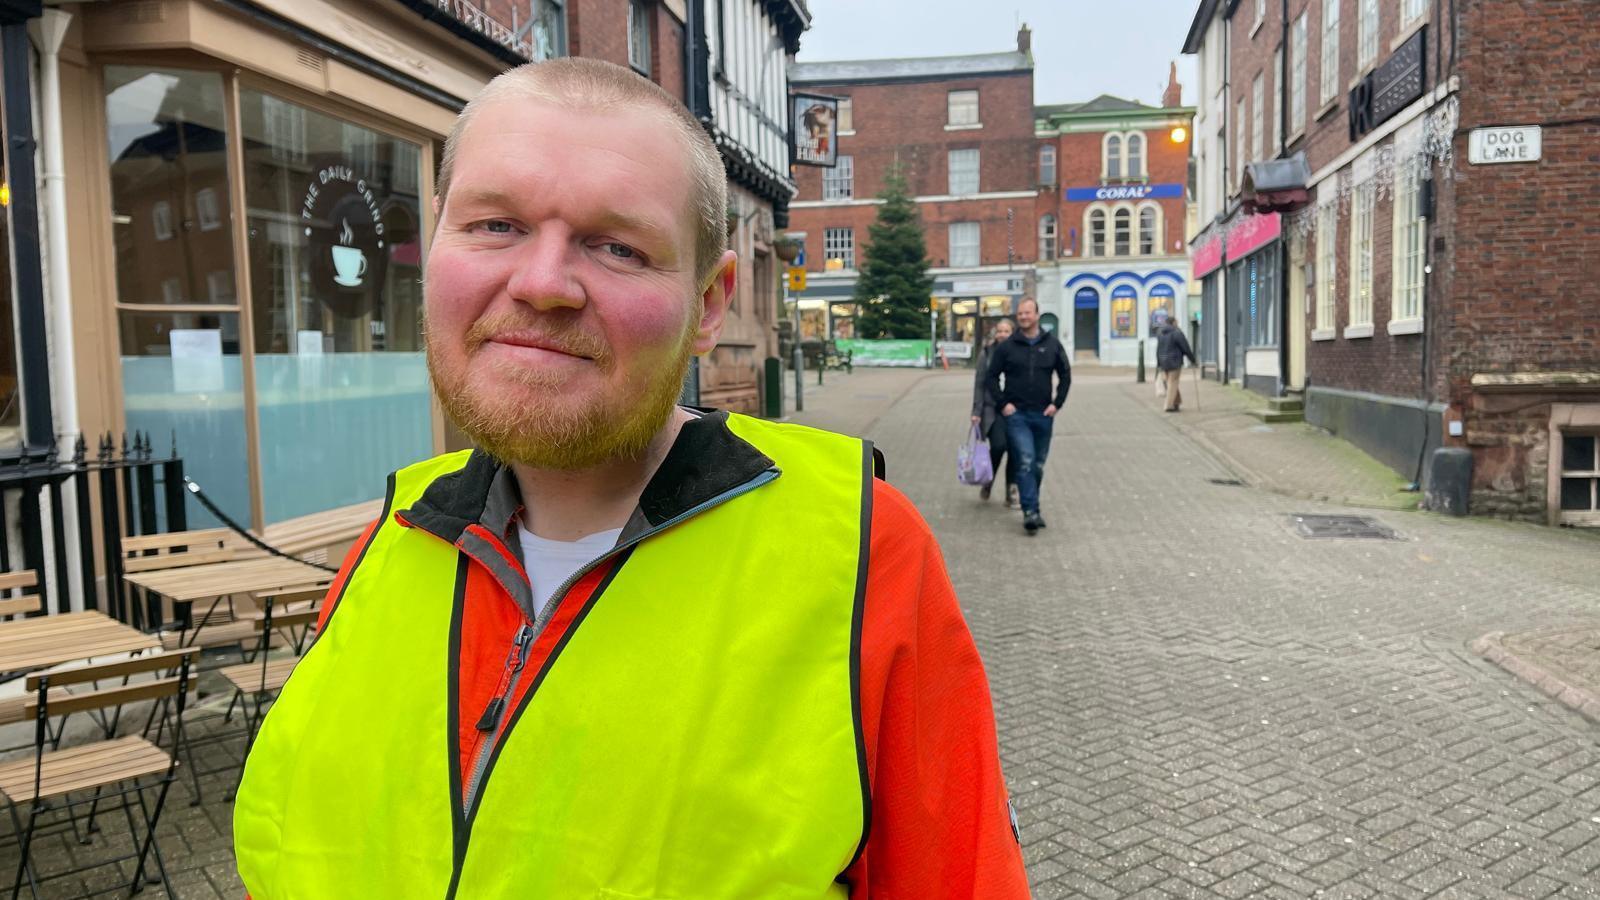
[[1507, 144]]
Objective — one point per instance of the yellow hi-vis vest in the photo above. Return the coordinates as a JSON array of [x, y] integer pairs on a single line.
[[696, 738]]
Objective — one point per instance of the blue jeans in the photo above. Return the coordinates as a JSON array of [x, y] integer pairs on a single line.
[[1028, 441]]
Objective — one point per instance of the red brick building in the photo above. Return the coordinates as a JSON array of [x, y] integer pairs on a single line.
[[726, 62], [1439, 282], [961, 128], [1109, 219]]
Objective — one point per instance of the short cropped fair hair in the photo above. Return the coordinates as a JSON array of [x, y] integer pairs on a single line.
[[590, 85]]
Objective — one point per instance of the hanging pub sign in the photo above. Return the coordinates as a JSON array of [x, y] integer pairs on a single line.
[[343, 226], [814, 129], [1389, 88]]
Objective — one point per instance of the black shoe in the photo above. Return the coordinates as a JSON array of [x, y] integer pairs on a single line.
[[983, 492], [1039, 518], [1030, 521]]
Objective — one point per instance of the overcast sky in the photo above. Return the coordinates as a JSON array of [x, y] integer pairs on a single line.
[[1081, 48]]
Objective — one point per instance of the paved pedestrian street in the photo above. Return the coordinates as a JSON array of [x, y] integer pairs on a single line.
[[1194, 701]]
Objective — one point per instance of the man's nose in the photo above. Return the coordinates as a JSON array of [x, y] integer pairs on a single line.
[[545, 272]]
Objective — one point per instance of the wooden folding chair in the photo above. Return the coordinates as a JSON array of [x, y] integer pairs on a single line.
[[286, 618], [26, 603], [110, 768]]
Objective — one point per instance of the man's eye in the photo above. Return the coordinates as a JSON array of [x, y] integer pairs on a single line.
[[496, 226], [620, 251]]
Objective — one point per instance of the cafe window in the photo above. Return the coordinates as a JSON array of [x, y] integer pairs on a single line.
[[1409, 255], [182, 374], [332, 210], [336, 266], [1361, 203], [1327, 235]]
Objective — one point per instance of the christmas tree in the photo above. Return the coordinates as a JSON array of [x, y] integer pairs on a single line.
[[894, 287]]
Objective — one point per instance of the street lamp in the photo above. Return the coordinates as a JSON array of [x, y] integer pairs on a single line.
[[1180, 134]]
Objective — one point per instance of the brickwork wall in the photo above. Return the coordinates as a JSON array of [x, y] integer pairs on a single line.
[[1080, 162], [905, 122], [1521, 259], [598, 29]]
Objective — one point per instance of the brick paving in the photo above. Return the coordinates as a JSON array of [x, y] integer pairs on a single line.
[[1193, 701]]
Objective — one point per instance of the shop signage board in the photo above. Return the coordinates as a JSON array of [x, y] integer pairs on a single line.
[[797, 278], [954, 350], [1207, 257], [1511, 144], [1253, 233], [981, 286], [1388, 89], [1125, 192], [905, 354], [813, 126]]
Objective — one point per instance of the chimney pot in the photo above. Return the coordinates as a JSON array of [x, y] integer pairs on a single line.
[[1024, 39]]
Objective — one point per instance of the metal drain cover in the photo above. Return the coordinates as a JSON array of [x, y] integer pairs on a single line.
[[1310, 526]]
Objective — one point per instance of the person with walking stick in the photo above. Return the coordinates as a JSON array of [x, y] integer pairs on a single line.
[[1172, 347]]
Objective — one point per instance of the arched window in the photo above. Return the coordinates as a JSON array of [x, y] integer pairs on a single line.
[[1135, 166], [1097, 232], [1047, 165], [1047, 238], [1113, 156], [1149, 231], [1122, 232]]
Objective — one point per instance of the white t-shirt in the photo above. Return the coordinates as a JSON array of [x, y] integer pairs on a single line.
[[551, 563]]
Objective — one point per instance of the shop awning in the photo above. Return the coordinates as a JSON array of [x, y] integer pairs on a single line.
[[1276, 185]]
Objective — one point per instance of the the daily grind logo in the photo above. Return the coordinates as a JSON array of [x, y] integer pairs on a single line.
[[344, 230]]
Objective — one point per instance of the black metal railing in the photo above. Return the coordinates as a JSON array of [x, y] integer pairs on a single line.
[[122, 491]]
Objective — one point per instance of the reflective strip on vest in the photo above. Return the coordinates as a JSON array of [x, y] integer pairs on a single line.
[[695, 737]]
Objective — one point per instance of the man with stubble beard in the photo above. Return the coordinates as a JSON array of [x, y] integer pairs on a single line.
[[624, 649]]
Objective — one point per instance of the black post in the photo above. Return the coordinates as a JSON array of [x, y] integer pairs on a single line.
[[80, 484], [176, 497], [58, 539], [111, 540], [32, 530], [26, 275]]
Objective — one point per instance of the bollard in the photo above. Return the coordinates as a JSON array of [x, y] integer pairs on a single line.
[[774, 388], [1140, 378], [1448, 488]]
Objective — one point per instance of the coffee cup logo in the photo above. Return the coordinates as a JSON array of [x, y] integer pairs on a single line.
[[343, 226], [349, 263]]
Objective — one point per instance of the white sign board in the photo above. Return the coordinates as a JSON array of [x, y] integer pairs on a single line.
[[196, 360], [955, 349], [981, 286], [1511, 144]]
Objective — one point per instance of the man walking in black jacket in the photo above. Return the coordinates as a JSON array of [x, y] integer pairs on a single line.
[[1171, 350], [1019, 375]]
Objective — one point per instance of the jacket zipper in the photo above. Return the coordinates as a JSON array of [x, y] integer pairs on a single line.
[[489, 721]]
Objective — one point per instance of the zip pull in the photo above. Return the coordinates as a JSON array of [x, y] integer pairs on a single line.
[[515, 660]]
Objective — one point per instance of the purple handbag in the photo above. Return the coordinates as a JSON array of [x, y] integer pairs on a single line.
[[973, 465]]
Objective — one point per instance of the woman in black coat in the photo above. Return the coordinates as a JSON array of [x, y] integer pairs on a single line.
[[986, 414]]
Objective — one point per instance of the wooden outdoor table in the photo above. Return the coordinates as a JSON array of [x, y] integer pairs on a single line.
[[259, 575], [50, 640]]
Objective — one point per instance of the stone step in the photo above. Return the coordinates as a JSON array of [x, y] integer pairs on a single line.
[[1277, 417], [1285, 404]]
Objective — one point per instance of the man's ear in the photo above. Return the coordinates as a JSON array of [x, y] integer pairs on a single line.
[[714, 301]]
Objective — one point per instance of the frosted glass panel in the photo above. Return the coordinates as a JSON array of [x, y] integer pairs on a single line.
[[334, 425], [201, 399]]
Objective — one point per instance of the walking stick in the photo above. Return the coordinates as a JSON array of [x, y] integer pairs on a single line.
[[1196, 388]]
